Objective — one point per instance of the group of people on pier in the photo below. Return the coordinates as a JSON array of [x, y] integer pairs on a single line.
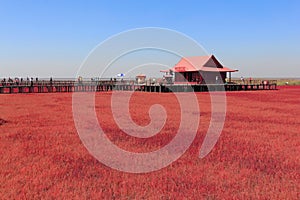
[[20, 81]]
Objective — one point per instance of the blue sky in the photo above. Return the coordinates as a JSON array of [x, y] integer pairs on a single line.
[[52, 38]]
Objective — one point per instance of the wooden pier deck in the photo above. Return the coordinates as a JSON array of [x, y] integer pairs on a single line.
[[100, 86]]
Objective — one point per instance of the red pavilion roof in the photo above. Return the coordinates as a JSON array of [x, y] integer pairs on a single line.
[[200, 63]]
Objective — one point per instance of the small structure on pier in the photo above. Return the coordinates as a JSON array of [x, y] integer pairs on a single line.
[[200, 70], [140, 78]]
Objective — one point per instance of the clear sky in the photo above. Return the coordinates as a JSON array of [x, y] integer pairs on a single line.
[[52, 38]]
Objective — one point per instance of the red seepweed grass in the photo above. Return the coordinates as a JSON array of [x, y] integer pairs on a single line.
[[257, 155]]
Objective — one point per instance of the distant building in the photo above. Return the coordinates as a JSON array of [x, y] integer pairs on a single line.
[[200, 70], [140, 78]]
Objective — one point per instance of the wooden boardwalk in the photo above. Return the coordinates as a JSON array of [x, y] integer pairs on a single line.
[[101, 86]]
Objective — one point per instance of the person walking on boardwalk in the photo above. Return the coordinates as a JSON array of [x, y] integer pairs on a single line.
[[243, 80], [3, 82]]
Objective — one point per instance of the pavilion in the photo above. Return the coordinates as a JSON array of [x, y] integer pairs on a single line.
[[200, 70]]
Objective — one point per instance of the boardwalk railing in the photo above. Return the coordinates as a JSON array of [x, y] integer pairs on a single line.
[[44, 86], [254, 82]]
